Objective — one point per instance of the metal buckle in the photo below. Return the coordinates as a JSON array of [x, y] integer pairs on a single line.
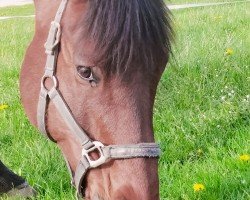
[[50, 47], [58, 32], [101, 160]]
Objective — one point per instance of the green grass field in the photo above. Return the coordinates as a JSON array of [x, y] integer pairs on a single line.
[[29, 9], [198, 1], [17, 10], [201, 117]]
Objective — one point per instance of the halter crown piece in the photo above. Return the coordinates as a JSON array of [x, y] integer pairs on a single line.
[[106, 153]]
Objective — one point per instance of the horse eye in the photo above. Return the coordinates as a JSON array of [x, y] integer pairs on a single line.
[[85, 72]]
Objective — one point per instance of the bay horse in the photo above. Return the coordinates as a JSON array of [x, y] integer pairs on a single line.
[[103, 60]]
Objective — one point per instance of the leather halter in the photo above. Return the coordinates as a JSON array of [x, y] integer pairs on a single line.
[[53, 94]]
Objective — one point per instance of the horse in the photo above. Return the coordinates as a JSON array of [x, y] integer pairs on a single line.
[[94, 98]]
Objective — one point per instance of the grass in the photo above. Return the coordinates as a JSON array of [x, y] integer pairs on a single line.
[[29, 9], [17, 10], [201, 117], [198, 1]]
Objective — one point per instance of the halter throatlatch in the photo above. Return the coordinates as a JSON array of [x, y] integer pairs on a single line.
[[53, 94]]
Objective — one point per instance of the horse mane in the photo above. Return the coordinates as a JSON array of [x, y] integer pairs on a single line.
[[126, 32]]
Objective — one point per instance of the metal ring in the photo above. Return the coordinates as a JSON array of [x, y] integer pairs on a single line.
[[53, 78]]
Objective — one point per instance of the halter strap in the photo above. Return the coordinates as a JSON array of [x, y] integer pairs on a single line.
[[105, 152]]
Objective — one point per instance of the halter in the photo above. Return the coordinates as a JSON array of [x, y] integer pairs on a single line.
[[106, 153]]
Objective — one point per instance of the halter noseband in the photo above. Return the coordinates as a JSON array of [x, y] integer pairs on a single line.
[[105, 152]]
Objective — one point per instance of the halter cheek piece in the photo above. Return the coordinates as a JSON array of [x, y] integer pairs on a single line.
[[105, 152]]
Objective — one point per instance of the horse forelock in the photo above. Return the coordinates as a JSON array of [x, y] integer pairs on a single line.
[[128, 33]]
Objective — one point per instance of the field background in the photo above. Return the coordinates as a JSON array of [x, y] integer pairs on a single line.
[[201, 117]]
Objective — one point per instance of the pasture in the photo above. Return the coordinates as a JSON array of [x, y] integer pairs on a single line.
[[201, 114]]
